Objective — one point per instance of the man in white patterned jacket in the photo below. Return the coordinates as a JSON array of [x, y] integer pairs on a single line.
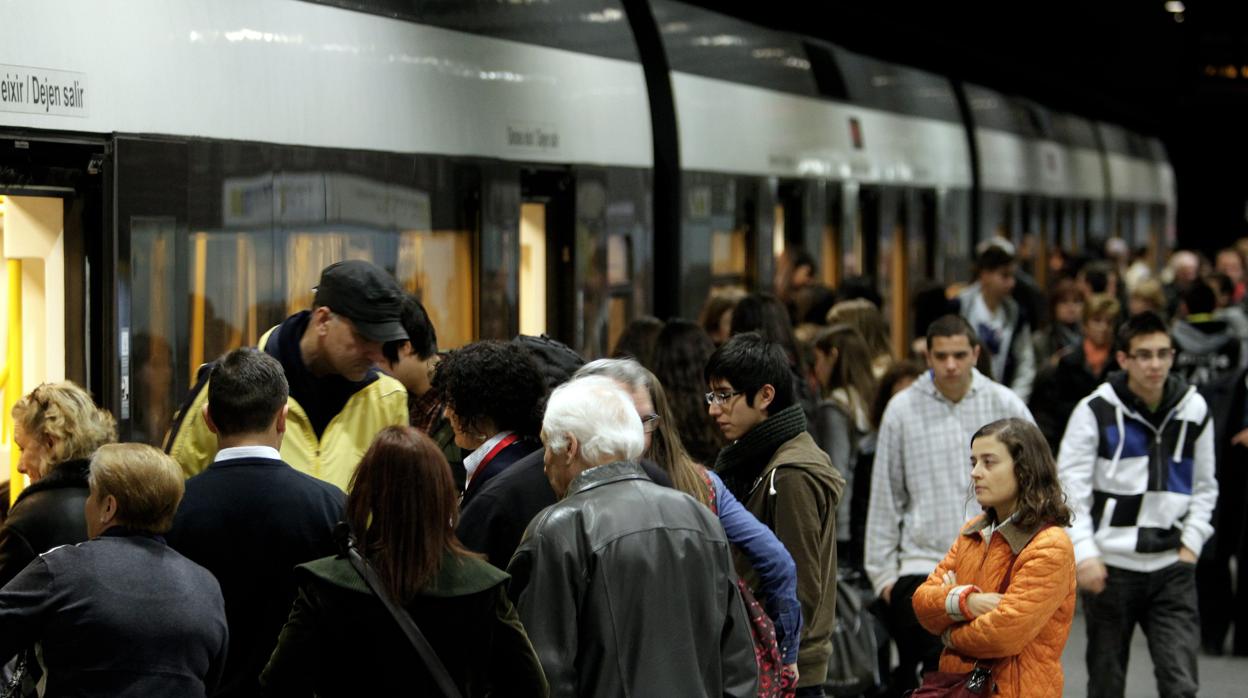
[[921, 481], [1137, 463]]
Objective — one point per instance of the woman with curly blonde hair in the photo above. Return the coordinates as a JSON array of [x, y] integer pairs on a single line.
[[57, 427]]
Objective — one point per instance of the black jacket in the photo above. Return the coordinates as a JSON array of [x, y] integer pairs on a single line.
[[119, 615], [47, 514], [499, 464], [249, 521], [1060, 387], [1207, 351], [503, 508], [627, 589]]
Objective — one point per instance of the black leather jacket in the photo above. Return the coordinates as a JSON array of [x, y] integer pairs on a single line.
[[46, 514], [627, 588]]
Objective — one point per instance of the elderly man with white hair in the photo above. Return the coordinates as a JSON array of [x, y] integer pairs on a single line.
[[625, 587]]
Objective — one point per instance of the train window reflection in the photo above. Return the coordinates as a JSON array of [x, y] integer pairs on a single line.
[[728, 254], [308, 253], [437, 266], [533, 269], [153, 326]]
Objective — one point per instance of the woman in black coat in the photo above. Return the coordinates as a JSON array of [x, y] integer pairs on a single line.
[[57, 427], [341, 641]]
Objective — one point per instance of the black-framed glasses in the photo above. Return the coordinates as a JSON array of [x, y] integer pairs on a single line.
[[1144, 355], [721, 398], [650, 423]]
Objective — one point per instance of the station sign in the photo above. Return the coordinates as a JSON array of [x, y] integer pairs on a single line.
[[27, 90]]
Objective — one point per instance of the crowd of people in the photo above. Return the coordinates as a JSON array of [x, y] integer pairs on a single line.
[[347, 510]]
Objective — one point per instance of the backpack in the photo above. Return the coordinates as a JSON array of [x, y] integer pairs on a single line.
[[771, 682], [854, 667]]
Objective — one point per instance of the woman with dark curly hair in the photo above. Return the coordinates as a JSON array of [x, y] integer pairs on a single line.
[[681, 353], [493, 391]]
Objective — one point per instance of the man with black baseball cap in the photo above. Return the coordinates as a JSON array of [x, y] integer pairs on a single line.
[[338, 399]]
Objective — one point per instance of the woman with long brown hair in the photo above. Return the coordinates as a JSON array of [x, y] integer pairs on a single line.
[[1003, 599], [341, 641], [842, 418]]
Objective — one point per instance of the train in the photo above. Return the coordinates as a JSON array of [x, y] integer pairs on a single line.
[[174, 175]]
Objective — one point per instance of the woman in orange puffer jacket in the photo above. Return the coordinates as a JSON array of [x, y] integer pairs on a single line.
[[1019, 634]]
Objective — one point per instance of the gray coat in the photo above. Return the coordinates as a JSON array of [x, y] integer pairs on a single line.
[[120, 615], [627, 588]]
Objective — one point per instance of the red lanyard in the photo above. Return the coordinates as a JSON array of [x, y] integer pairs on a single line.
[[507, 441]]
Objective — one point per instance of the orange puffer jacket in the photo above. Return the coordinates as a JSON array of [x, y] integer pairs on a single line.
[[1028, 629]]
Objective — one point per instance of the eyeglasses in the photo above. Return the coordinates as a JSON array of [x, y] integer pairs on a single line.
[[650, 424], [721, 398], [1144, 355]]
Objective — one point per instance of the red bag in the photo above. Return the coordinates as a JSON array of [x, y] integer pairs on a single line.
[[774, 681], [946, 684]]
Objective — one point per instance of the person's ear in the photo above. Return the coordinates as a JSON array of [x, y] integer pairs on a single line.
[[279, 423], [108, 512], [212, 426], [975, 354], [764, 397], [574, 448], [1121, 356], [320, 318]]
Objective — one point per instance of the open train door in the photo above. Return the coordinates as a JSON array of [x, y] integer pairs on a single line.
[[548, 294], [52, 240]]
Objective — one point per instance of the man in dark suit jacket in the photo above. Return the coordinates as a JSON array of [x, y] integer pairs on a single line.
[[250, 517]]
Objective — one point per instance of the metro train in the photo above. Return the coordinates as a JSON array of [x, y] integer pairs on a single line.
[[175, 174]]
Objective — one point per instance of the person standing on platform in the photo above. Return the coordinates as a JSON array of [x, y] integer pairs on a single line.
[[920, 482], [626, 587], [288, 516], [775, 468], [1137, 466], [338, 399], [1003, 326]]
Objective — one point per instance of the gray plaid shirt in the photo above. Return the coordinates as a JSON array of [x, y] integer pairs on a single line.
[[921, 483]]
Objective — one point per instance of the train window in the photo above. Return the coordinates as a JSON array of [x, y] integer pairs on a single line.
[[437, 266], [777, 232], [728, 257], [153, 328], [533, 268]]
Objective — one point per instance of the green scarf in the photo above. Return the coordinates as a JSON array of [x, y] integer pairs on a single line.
[[740, 463]]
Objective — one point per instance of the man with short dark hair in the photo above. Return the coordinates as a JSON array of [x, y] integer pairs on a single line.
[[780, 474], [412, 362], [1003, 328], [338, 399], [1137, 466], [249, 518], [920, 484]]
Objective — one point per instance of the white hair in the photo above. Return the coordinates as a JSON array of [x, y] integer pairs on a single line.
[[599, 415]]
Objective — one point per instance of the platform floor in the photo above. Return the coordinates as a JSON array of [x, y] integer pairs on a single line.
[[1220, 677]]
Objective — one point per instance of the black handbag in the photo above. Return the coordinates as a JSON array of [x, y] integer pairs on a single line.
[[346, 543]]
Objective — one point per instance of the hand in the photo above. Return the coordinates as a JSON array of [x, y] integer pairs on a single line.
[[1240, 439], [887, 594], [950, 578], [1185, 553], [792, 669], [981, 603], [1091, 575]]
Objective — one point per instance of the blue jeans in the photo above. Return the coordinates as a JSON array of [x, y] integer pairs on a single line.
[[1163, 603]]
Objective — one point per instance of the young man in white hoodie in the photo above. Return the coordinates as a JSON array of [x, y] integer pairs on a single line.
[[1137, 462]]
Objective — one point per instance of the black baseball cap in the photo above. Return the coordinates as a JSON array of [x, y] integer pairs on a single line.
[[366, 295]]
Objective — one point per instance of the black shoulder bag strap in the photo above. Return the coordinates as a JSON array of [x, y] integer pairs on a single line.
[[346, 542]]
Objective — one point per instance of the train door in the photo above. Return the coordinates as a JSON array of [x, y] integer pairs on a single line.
[[830, 247], [51, 235], [548, 298]]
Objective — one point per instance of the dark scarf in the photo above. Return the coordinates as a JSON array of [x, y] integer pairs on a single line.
[[740, 463]]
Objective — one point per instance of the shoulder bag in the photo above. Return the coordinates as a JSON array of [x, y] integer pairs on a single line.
[[441, 676]]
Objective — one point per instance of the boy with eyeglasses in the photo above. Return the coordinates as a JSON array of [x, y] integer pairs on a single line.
[[1137, 463], [776, 469]]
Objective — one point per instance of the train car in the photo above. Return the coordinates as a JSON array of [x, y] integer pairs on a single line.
[[200, 162], [787, 141]]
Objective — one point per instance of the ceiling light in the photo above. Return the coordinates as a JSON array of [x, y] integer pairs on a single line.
[[1175, 7]]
